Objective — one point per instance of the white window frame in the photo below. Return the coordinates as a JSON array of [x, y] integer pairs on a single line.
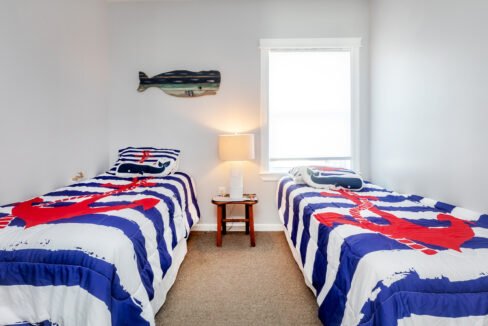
[[345, 44]]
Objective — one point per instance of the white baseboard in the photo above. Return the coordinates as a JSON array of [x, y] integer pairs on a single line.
[[231, 227]]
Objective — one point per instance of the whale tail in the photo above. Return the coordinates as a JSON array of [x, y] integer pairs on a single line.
[[163, 165], [142, 77]]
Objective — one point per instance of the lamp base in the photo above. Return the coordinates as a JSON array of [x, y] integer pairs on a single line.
[[236, 188]]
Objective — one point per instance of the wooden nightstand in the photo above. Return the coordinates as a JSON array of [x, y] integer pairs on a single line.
[[221, 203]]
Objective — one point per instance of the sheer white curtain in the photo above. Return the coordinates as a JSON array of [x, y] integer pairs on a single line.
[[309, 108]]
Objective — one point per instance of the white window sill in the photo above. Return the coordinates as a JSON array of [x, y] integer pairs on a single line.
[[272, 176]]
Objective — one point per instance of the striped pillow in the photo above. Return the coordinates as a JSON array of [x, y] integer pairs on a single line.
[[146, 161], [325, 177]]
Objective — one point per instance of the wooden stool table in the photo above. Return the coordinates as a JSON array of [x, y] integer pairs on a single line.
[[221, 203]]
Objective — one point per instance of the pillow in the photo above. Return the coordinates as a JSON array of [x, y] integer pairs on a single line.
[[324, 177], [145, 161], [296, 174]]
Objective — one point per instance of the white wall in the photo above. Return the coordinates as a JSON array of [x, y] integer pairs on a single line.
[[156, 37], [53, 73], [429, 97]]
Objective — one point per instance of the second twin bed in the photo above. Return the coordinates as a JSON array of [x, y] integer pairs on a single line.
[[376, 257]]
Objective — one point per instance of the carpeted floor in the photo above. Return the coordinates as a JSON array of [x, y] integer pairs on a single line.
[[239, 285]]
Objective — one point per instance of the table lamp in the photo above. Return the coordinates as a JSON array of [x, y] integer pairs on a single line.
[[236, 147]]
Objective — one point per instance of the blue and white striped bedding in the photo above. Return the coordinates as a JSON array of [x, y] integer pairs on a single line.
[[361, 255], [95, 252]]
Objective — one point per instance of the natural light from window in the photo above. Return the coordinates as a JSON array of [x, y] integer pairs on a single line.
[[309, 108]]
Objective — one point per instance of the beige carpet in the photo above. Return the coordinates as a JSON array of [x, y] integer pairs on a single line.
[[239, 285]]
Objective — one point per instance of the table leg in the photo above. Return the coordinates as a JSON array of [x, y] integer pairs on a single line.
[[224, 216], [251, 225], [247, 218], [219, 225]]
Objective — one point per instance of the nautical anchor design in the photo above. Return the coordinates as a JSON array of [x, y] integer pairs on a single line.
[[36, 211], [398, 229], [144, 156]]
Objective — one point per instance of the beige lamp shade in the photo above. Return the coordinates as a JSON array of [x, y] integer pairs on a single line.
[[238, 147]]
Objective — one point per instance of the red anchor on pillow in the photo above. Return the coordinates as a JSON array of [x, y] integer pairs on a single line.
[[401, 230], [36, 211], [144, 156]]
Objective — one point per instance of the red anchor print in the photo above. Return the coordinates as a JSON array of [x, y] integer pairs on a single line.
[[401, 230], [35, 211], [144, 156]]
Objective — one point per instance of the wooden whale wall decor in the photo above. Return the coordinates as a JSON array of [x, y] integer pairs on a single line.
[[183, 83]]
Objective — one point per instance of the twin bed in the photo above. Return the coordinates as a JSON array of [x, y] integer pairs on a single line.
[[103, 251], [375, 257]]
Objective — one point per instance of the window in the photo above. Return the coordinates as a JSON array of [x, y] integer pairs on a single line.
[[308, 103]]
